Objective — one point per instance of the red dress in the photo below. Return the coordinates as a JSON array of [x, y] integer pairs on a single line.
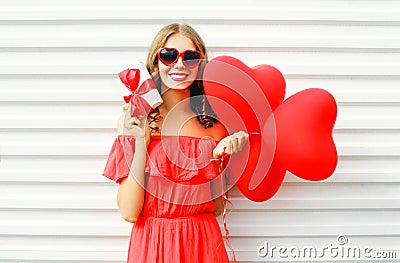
[[177, 223]]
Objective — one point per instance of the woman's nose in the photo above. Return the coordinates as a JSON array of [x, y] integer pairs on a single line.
[[179, 63]]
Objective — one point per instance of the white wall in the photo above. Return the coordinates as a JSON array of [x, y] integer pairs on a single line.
[[58, 111]]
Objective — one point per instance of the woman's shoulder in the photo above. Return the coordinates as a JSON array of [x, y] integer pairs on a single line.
[[218, 131]]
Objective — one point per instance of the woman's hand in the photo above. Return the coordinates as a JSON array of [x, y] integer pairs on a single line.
[[136, 126], [231, 144]]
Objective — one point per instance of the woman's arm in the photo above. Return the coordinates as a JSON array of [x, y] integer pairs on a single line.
[[216, 192], [228, 145], [130, 196]]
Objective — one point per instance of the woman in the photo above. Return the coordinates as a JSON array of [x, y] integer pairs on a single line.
[[168, 183]]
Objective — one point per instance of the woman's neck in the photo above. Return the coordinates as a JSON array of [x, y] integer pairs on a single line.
[[177, 99]]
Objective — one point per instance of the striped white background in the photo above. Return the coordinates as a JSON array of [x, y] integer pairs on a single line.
[[58, 112]]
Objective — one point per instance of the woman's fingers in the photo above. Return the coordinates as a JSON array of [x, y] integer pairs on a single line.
[[231, 144], [130, 120], [136, 121], [125, 107], [224, 146], [133, 121], [235, 140], [218, 150], [243, 137], [132, 125]]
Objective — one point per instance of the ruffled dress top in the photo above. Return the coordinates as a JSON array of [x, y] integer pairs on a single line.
[[177, 223]]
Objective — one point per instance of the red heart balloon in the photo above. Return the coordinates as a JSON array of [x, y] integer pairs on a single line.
[[244, 98], [253, 92], [271, 82], [303, 126], [261, 177]]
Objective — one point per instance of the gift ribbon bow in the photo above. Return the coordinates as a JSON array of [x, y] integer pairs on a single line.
[[131, 79]]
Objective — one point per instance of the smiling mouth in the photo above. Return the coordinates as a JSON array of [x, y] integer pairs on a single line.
[[178, 76]]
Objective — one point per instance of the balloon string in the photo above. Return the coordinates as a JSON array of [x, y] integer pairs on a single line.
[[226, 201]]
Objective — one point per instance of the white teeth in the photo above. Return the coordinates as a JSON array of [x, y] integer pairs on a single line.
[[178, 76]]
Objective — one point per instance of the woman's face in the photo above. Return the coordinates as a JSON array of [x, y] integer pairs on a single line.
[[178, 76]]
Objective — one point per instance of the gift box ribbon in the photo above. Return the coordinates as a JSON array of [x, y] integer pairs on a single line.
[[131, 79]]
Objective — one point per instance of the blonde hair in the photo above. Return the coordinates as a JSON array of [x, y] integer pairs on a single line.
[[162, 37], [198, 102]]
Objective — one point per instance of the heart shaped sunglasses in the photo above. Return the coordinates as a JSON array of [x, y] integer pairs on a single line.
[[170, 56]]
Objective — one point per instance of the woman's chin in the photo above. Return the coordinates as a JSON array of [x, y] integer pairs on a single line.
[[179, 85]]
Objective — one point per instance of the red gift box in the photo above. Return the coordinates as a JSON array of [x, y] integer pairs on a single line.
[[144, 95]]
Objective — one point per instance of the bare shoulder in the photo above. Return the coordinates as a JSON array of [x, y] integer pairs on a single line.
[[219, 131]]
